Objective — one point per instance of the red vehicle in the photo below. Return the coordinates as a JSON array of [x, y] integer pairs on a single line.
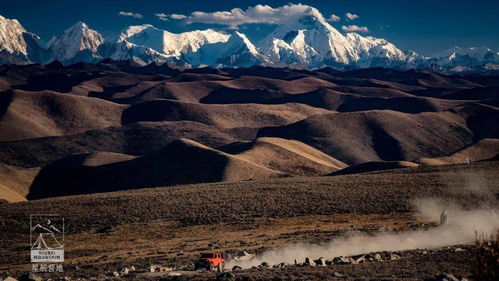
[[210, 262]]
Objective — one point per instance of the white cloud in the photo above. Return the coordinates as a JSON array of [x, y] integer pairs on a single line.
[[130, 14], [351, 16], [256, 14], [333, 18], [161, 16], [354, 28], [165, 17], [178, 16]]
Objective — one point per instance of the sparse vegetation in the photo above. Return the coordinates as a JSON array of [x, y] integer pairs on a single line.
[[487, 258]]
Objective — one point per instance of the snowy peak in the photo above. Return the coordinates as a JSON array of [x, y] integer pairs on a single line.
[[457, 53], [304, 40], [144, 35], [16, 44], [12, 36], [308, 40], [78, 40], [238, 41], [458, 59], [474, 52], [168, 43], [237, 51]]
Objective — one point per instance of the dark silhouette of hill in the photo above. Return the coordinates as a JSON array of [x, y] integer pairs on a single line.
[[182, 161]]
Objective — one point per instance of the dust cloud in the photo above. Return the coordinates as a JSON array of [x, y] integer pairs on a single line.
[[461, 227]]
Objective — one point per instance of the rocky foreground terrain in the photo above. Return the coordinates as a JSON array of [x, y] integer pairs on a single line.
[[167, 228]]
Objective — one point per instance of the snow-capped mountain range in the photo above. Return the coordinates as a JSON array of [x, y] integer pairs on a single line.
[[306, 40]]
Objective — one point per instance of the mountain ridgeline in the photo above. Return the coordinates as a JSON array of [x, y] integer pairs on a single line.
[[305, 41]]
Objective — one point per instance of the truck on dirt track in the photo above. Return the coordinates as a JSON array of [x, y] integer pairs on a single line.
[[210, 261]]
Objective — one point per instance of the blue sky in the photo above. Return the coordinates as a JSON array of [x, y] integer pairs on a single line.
[[426, 26]]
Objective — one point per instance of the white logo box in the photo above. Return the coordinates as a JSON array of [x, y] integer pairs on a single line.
[[47, 255]]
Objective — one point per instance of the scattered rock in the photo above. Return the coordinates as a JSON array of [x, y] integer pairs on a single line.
[[264, 264], [124, 271], [236, 268], [30, 277], [341, 260], [214, 245], [279, 265], [360, 259], [320, 261], [459, 250], [165, 269], [337, 274], [116, 273], [152, 268], [225, 276], [377, 257], [446, 277], [243, 255], [8, 278], [394, 257], [309, 262], [132, 268], [172, 274]]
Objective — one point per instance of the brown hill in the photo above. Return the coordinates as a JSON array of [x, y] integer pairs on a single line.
[[222, 116], [116, 114], [194, 91], [481, 150], [135, 139], [374, 167], [95, 159], [15, 182], [386, 135], [40, 114], [414, 77], [183, 161], [334, 100], [287, 156], [481, 119]]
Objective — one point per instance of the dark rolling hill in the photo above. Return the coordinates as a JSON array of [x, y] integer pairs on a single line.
[[116, 125]]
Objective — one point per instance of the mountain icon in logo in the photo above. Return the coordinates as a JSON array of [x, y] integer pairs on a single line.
[[46, 239]]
